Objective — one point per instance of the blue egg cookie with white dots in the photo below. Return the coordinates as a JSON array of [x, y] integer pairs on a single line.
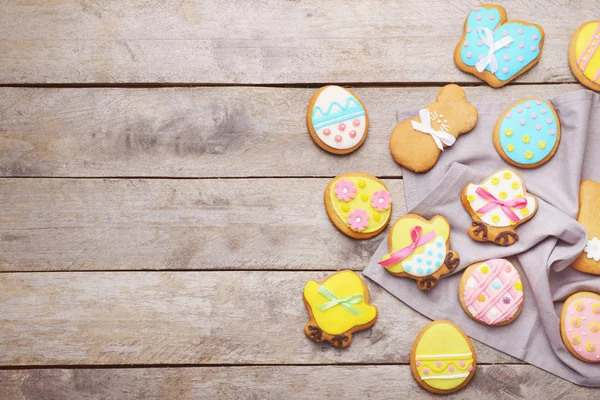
[[527, 134]]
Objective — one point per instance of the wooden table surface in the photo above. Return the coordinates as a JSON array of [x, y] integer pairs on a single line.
[[161, 199]]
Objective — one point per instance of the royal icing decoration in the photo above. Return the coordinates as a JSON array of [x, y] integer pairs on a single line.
[[338, 118], [501, 200], [581, 325], [362, 203], [494, 292], [529, 132], [339, 303], [587, 55], [502, 49], [592, 249], [443, 357], [441, 137], [419, 249]]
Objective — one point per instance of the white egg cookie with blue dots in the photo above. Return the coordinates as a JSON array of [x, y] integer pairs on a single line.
[[527, 134], [419, 249]]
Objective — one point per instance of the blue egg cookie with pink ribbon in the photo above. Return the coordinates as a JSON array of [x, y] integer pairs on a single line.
[[527, 134], [496, 50], [420, 250]]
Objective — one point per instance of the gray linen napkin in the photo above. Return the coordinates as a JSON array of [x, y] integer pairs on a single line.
[[548, 243]]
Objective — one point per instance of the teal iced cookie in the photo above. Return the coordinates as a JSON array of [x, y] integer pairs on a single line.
[[527, 134]]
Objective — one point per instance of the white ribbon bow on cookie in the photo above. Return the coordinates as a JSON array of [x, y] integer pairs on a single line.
[[438, 136], [487, 37]]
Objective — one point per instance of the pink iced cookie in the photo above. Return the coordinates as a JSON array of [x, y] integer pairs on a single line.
[[491, 292], [580, 326]]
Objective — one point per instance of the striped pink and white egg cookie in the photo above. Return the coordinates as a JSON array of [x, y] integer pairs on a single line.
[[337, 120], [491, 292]]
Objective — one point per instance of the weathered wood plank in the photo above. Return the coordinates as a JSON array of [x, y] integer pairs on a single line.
[[233, 317], [259, 42], [102, 224], [197, 132], [277, 382]]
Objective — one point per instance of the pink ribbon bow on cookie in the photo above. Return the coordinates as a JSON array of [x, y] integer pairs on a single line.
[[417, 240], [504, 205]]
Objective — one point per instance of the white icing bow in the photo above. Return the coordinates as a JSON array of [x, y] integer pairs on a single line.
[[592, 250], [438, 136], [487, 37]]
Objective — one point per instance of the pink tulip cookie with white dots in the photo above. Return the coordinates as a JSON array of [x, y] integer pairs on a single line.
[[491, 292], [498, 206], [496, 50], [337, 120], [580, 326], [358, 204], [527, 134]]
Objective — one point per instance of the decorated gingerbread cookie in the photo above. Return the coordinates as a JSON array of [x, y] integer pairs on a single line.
[[496, 50], [420, 250], [497, 206], [589, 217], [584, 57], [580, 326], [337, 120], [338, 307], [442, 359], [358, 204], [417, 143], [527, 133], [491, 292]]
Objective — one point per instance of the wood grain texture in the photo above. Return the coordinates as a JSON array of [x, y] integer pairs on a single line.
[[259, 42], [108, 224], [277, 382], [226, 317], [199, 132]]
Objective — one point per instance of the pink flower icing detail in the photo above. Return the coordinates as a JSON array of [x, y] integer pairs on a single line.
[[521, 45], [522, 121], [381, 200], [533, 48], [326, 131], [438, 364], [342, 126], [492, 17], [538, 102], [505, 70], [519, 110], [356, 123], [470, 368], [505, 33], [462, 363], [352, 134], [478, 18], [506, 58], [543, 111], [508, 115], [469, 30], [358, 220], [466, 43], [469, 55], [480, 43], [533, 115], [520, 58], [534, 36], [426, 371], [551, 131], [520, 31], [418, 363], [451, 368], [537, 127], [345, 190], [338, 138], [549, 120], [528, 106]]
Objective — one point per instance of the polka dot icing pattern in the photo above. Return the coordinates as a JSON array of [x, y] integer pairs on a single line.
[[362, 203], [429, 261], [443, 357], [504, 185], [528, 132], [582, 325], [494, 292], [338, 118], [511, 58]]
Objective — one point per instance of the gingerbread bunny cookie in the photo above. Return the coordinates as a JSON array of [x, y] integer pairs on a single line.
[[416, 143], [419, 249], [497, 206]]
